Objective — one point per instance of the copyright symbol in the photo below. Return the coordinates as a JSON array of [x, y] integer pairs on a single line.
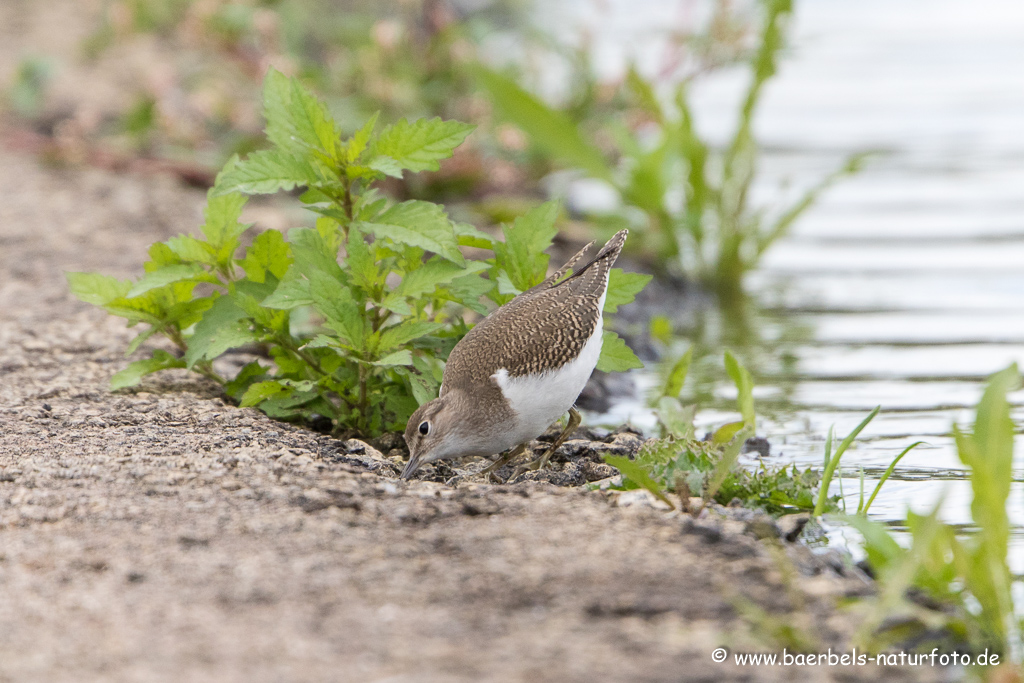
[[719, 654]]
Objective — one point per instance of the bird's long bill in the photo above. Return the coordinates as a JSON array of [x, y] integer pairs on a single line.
[[411, 466]]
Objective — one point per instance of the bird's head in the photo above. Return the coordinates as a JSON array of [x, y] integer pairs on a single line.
[[433, 433]]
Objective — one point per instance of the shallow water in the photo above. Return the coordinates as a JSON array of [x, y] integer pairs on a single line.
[[904, 286]]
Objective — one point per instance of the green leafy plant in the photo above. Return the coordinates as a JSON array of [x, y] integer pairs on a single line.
[[687, 465], [713, 234], [968, 578], [357, 313], [679, 461]]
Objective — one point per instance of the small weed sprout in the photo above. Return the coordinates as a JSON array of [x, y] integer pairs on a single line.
[[680, 462]]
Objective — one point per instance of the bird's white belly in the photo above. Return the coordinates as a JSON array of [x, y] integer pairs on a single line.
[[539, 400]]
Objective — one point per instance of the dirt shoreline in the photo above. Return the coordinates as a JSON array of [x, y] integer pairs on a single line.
[[163, 535]]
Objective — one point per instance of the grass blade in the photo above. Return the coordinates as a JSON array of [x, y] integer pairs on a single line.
[[729, 457], [888, 473], [634, 471], [833, 462], [677, 376]]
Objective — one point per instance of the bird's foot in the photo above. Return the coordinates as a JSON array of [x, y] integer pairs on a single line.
[[534, 465], [490, 470], [542, 462]]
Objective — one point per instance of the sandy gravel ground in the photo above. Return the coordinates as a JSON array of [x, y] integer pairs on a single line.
[[164, 535]]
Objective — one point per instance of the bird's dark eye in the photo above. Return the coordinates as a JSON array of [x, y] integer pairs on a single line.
[[424, 428]]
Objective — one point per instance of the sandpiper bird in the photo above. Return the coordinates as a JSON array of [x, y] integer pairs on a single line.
[[518, 370]]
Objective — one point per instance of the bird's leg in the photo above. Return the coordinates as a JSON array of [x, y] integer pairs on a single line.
[[503, 460], [542, 462]]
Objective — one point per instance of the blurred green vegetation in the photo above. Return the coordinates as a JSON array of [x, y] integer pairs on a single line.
[[688, 201], [946, 589], [26, 94], [200, 98]]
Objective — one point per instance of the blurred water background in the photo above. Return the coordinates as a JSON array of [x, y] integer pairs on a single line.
[[904, 286]]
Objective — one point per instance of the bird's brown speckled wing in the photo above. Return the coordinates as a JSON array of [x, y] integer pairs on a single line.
[[541, 329]]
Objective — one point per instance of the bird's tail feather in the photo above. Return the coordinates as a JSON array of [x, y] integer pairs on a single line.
[[604, 260]]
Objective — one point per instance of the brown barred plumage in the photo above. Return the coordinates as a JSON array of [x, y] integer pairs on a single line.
[[541, 329], [519, 370]]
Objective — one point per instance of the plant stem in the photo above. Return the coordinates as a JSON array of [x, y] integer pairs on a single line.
[[206, 370], [346, 202], [362, 391]]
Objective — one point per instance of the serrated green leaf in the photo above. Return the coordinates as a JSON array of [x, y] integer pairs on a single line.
[[153, 307], [322, 341], [385, 165], [222, 228], [550, 129], [161, 255], [329, 229], [470, 236], [404, 332], [269, 253], [96, 289], [190, 249], [356, 172], [245, 378], [744, 386], [313, 254], [291, 292], [522, 255], [436, 272], [134, 373], [422, 389], [358, 143], [224, 326], [146, 308], [396, 304], [296, 119], [468, 289], [270, 170], [261, 391], [623, 288], [506, 288], [360, 263], [336, 303], [369, 205], [139, 340], [417, 146], [417, 224], [294, 404], [248, 296], [192, 272], [431, 368], [402, 357], [616, 356]]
